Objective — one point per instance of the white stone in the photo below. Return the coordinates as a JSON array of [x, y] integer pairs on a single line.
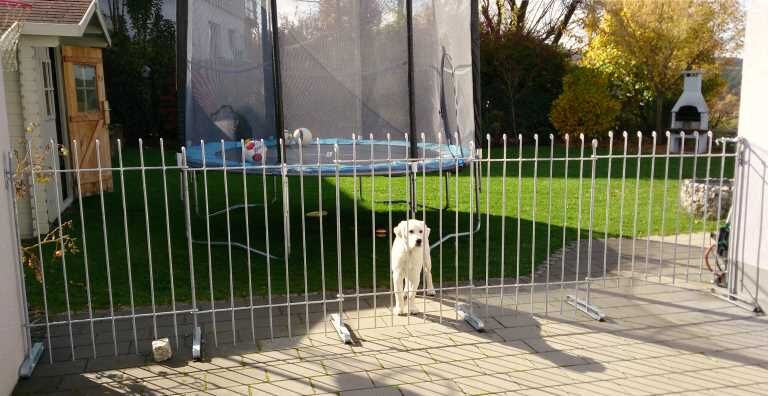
[[161, 349], [706, 198]]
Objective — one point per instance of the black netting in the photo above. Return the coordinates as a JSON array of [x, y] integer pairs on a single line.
[[230, 92], [344, 67], [343, 70], [443, 70]]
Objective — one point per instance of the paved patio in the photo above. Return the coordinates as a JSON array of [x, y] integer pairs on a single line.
[[658, 339]]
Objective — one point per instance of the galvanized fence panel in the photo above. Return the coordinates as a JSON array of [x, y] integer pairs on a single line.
[[232, 254]]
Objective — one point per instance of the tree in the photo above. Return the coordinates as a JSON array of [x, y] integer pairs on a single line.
[[521, 77], [645, 45], [522, 61], [586, 104], [723, 96], [544, 20], [140, 66], [116, 12]]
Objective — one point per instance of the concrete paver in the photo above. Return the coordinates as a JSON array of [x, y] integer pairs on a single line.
[[658, 339]]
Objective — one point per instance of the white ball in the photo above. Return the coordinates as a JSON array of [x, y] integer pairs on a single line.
[[304, 135]]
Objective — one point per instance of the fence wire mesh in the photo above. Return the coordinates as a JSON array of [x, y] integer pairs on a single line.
[[243, 255]]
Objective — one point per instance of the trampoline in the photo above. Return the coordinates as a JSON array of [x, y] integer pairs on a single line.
[[382, 70], [253, 69], [346, 157]]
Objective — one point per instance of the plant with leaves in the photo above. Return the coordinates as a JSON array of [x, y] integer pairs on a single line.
[[32, 168], [33, 163], [644, 46], [586, 104], [58, 238]]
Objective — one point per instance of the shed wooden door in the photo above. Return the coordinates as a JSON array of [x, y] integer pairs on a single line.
[[87, 114]]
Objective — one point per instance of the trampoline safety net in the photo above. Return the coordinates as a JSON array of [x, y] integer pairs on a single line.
[[336, 67]]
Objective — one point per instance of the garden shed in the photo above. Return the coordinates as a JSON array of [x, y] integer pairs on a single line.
[[54, 90]]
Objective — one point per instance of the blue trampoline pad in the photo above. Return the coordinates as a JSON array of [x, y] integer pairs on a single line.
[[361, 157]]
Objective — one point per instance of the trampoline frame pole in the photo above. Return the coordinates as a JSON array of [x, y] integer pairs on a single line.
[[414, 204], [411, 92], [476, 80], [276, 74]]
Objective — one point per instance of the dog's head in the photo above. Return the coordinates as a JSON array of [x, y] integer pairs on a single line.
[[415, 233]]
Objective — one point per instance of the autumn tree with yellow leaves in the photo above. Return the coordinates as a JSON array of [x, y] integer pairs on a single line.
[[586, 104], [644, 45]]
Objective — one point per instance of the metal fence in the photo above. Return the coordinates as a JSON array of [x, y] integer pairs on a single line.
[[229, 255]]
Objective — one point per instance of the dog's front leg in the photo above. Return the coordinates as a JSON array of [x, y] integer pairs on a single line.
[[411, 288], [428, 273], [397, 282]]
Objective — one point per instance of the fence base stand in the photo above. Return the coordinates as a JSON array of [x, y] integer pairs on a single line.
[[29, 363], [472, 320], [739, 302], [583, 306], [197, 336], [341, 328]]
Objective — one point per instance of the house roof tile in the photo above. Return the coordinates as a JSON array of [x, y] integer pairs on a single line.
[[58, 11], [50, 11]]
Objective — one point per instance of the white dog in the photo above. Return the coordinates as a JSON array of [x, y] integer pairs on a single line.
[[410, 255]]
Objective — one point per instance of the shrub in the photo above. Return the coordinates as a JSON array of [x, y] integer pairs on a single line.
[[586, 104], [521, 77]]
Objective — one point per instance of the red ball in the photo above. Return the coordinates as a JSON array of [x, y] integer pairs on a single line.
[[250, 145], [257, 157]]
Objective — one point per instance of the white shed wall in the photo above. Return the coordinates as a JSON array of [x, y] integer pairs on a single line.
[[16, 138], [31, 79], [24, 104]]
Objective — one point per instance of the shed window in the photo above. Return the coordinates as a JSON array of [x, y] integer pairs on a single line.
[[85, 87], [49, 108]]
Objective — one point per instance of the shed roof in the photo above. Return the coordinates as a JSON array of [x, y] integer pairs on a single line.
[[46, 11], [58, 11], [70, 16]]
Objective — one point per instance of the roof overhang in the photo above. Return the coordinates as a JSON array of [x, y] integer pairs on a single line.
[[68, 29]]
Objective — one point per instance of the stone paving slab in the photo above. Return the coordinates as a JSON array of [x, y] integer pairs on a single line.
[[672, 341], [662, 335]]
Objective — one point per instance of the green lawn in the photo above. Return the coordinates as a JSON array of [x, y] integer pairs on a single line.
[[562, 220]]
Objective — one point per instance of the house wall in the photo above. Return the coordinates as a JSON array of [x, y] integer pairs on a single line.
[[749, 245], [13, 343], [16, 139]]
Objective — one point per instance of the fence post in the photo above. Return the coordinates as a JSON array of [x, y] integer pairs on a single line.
[[591, 220], [466, 311], [337, 319], [196, 332], [586, 304], [33, 352], [736, 218]]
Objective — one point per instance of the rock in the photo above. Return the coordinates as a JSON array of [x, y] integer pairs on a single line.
[[706, 198], [161, 349]]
